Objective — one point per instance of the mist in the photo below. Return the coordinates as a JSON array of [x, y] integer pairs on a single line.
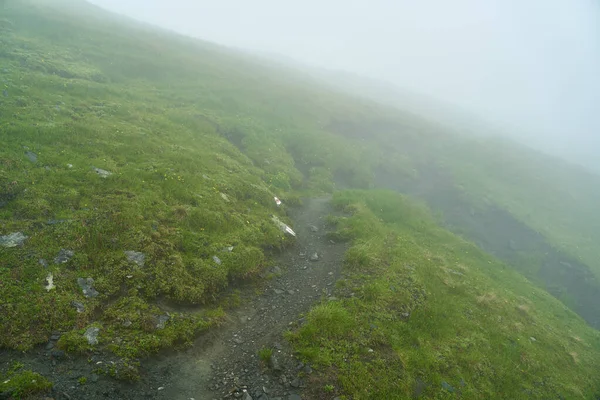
[[530, 67]]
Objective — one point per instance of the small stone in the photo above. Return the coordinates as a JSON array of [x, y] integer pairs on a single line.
[[43, 263], [275, 364], [290, 292], [12, 240], [31, 156], [49, 346], [308, 369], [297, 383], [246, 396], [94, 378], [87, 288], [447, 386], [5, 93], [278, 291], [238, 340], [276, 270], [420, 387], [294, 397], [63, 256], [49, 282], [217, 260], [78, 306], [533, 339], [313, 228], [162, 320], [55, 336], [127, 323], [102, 173], [136, 257], [57, 354], [69, 166], [91, 334], [314, 257]]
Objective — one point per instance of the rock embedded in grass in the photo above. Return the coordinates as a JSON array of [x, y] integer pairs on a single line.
[[31, 156], [63, 256], [12, 239], [87, 287], [136, 257], [102, 172], [91, 334]]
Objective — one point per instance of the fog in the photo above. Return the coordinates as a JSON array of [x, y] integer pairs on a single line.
[[529, 65]]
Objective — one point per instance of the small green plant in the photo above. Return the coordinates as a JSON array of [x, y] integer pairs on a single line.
[[328, 388], [265, 354], [82, 380], [23, 383]]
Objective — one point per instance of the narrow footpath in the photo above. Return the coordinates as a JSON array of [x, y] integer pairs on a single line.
[[226, 364]]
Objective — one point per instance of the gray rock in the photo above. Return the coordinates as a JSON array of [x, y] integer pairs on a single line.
[[162, 320], [12, 240], [78, 306], [276, 270], [43, 262], [91, 334], [278, 291], [447, 386], [313, 228], [102, 172], [420, 387], [274, 363], [294, 397], [297, 383], [291, 292], [57, 354], [217, 260], [55, 336], [314, 257], [63, 256], [94, 378], [246, 396], [308, 369], [50, 346], [127, 323], [87, 287], [31, 156], [136, 257], [5, 93]]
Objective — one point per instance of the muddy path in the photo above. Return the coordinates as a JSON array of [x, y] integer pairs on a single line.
[[224, 363], [227, 363]]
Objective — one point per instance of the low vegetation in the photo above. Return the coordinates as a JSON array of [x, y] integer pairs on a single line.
[[138, 170], [424, 313], [21, 383]]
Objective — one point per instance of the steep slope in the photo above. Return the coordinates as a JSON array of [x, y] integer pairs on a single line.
[[148, 162]]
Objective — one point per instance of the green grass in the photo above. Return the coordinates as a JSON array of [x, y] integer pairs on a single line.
[[21, 383], [423, 311], [198, 140]]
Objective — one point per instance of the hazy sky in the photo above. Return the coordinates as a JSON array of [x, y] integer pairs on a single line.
[[534, 64]]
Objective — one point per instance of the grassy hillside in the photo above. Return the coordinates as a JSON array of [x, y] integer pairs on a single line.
[[422, 312], [149, 162]]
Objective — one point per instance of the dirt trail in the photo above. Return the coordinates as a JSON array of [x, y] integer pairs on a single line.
[[224, 359], [224, 364]]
